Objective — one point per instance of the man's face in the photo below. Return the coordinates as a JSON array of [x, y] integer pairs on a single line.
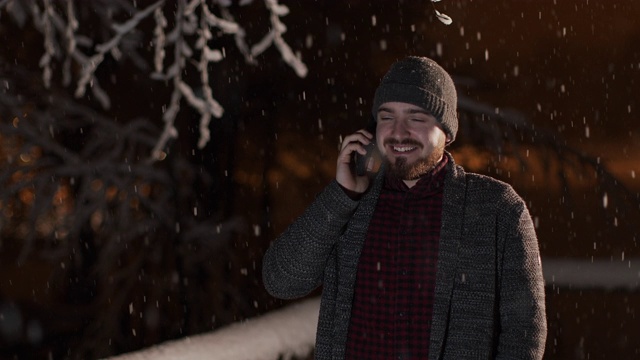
[[409, 139]]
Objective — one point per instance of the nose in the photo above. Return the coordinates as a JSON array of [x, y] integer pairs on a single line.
[[399, 129]]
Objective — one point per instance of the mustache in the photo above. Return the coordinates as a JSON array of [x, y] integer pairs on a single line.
[[394, 142]]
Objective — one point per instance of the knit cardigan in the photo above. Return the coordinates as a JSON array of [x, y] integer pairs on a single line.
[[489, 295]]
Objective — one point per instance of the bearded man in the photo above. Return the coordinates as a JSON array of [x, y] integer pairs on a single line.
[[421, 259]]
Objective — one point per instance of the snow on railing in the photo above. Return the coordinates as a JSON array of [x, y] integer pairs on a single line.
[[601, 274], [281, 334], [290, 332]]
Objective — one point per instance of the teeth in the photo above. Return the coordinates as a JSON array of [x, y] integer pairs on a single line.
[[403, 148]]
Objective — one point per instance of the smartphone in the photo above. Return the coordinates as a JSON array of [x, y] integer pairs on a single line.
[[360, 161]]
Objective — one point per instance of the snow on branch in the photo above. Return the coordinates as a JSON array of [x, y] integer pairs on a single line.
[[91, 64], [444, 18], [185, 30], [275, 37], [187, 24], [50, 50]]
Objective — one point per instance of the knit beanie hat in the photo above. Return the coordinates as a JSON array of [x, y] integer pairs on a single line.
[[422, 82]]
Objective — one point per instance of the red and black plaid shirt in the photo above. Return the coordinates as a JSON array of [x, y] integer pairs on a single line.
[[393, 299]]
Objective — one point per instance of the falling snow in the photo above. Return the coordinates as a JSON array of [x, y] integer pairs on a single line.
[[150, 155]]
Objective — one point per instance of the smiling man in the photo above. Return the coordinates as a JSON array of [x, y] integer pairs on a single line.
[[420, 260], [412, 140]]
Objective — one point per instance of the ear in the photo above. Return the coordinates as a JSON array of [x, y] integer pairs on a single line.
[[448, 139]]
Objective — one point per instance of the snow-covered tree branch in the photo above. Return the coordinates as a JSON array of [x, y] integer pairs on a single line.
[[184, 29], [81, 185]]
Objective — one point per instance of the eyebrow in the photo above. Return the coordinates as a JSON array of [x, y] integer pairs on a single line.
[[410, 111]]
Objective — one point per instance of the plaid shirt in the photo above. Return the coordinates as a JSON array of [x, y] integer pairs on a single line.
[[393, 297]]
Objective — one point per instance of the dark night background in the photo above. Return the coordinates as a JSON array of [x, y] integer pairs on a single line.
[[570, 68]]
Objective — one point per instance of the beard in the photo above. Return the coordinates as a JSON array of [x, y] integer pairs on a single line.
[[404, 170]]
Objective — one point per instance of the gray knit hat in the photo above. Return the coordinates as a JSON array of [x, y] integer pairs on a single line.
[[422, 82]]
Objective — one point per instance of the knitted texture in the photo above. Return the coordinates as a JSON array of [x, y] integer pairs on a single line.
[[489, 295], [422, 82]]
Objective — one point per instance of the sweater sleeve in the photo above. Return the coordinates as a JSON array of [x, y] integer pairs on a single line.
[[523, 327], [294, 264]]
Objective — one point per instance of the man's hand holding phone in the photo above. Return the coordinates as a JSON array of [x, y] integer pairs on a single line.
[[355, 160]]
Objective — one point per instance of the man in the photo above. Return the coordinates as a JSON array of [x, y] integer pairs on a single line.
[[421, 260]]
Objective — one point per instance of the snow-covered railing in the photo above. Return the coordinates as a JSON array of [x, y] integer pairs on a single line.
[[281, 334], [290, 332], [592, 274]]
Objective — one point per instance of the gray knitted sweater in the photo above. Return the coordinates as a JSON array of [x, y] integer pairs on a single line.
[[489, 295]]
